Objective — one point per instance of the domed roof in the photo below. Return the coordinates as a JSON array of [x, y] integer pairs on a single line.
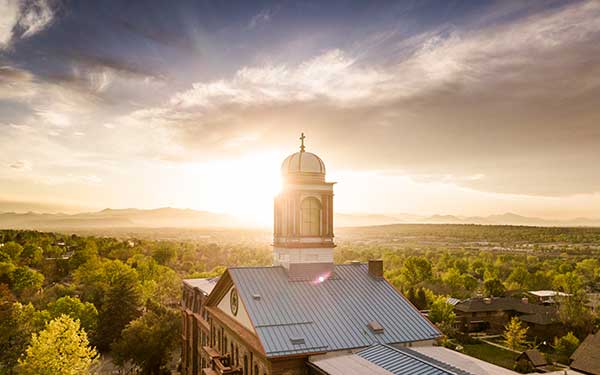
[[303, 163]]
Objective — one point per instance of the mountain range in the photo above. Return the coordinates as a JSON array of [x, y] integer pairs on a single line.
[[188, 218]]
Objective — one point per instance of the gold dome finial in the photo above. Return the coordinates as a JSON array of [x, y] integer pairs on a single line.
[[302, 137]]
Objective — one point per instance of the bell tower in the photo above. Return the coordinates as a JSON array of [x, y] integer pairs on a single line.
[[303, 224]]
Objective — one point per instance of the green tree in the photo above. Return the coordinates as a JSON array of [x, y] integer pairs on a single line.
[[442, 314], [519, 277], [453, 279], [62, 348], [515, 334], [494, 288], [416, 269], [149, 340], [121, 305], [565, 346], [12, 249], [164, 253], [17, 323], [568, 282], [26, 280], [85, 312], [32, 255], [81, 256], [575, 314]]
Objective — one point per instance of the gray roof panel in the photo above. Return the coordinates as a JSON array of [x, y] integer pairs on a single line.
[[405, 361], [331, 315]]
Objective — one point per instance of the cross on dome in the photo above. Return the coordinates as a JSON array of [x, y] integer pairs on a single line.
[[302, 137]]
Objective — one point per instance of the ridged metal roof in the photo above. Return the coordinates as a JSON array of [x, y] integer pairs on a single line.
[[405, 361], [331, 315]]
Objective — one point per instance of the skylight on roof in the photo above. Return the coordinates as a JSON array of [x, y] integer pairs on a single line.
[[375, 327], [297, 340]]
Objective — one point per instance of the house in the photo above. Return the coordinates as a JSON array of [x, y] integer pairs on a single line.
[[546, 297], [587, 356], [532, 358], [492, 314], [272, 320]]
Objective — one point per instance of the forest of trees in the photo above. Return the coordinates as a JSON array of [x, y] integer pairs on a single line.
[[119, 297]]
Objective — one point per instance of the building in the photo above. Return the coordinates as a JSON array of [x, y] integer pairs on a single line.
[[586, 358], [532, 359], [274, 320], [492, 315]]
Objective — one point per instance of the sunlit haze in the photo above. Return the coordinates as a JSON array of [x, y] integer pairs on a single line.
[[433, 107]]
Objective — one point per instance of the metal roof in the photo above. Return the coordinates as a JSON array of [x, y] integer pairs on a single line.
[[205, 285], [330, 315], [345, 364], [405, 361]]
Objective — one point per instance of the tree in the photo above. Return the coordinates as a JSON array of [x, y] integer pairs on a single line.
[[565, 346], [519, 277], [26, 280], [515, 334], [164, 253], [575, 314], [453, 279], [32, 255], [442, 314], [81, 256], [62, 348], [12, 249], [149, 340], [121, 305], [569, 282], [85, 312], [17, 323], [494, 288], [416, 270]]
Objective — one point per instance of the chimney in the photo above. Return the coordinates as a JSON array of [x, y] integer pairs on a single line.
[[525, 300], [376, 268]]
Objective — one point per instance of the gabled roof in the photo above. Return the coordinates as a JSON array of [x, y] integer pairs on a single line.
[[587, 356], [301, 317], [530, 312], [535, 357], [400, 361]]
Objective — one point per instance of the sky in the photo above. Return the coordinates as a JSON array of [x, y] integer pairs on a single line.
[[422, 107]]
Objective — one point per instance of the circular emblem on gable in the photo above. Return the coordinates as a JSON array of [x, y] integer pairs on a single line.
[[234, 301]]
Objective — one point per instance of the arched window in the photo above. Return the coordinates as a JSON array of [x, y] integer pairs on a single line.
[[311, 217]]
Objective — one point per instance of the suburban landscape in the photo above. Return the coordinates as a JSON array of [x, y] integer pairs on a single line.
[[299, 187], [470, 280]]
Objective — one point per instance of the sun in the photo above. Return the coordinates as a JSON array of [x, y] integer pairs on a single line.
[[244, 187]]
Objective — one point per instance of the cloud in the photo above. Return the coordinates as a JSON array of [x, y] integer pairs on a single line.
[[36, 16], [490, 109], [22, 19], [21, 165], [262, 18]]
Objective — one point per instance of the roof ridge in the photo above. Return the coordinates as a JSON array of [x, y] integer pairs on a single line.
[[418, 358]]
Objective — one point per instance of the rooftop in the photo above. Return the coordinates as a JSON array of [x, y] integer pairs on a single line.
[[587, 356], [204, 285], [401, 361], [532, 312], [330, 315]]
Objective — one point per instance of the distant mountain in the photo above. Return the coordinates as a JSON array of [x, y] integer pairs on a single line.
[[109, 218], [362, 220], [348, 220], [186, 218]]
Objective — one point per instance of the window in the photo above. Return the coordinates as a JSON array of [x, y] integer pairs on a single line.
[[256, 370], [311, 217], [245, 364]]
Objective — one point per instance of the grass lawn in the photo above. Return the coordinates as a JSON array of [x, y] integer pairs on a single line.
[[491, 354]]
